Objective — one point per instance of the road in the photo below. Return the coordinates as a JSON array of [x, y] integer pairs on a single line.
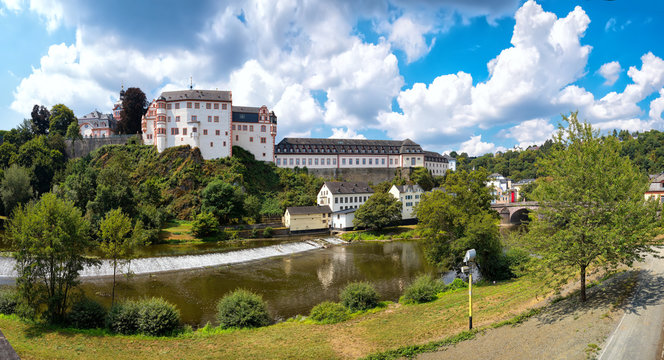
[[639, 332]]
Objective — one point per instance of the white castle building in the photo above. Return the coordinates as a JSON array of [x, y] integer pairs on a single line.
[[96, 124], [207, 119], [352, 153]]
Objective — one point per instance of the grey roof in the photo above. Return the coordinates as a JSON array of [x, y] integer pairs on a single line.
[[95, 115], [340, 187], [347, 146], [304, 210], [409, 188], [246, 109], [523, 182], [346, 211], [448, 157], [210, 95], [434, 156]]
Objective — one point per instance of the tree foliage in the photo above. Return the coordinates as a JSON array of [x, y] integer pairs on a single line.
[[422, 177], [15, 187], [134, 106], [40, 121], [50, 239], [592, 209], [117, 243], [379, 211], [61, 118], [460, 218], [224, 200]]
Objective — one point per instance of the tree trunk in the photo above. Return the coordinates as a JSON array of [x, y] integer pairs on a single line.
[[583, 283]]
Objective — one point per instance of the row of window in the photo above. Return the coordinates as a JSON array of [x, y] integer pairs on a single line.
[[197, 105], [251, 128], [343, 150], [410, 197], [349, 199]]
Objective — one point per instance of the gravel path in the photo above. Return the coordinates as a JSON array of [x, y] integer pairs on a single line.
[[566, 329]]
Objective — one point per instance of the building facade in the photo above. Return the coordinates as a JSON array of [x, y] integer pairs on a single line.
[[343, 195], [96, 124], [410, 196], [205, 119], [656, 188], [436, 163], [343, 219], [307, 218]]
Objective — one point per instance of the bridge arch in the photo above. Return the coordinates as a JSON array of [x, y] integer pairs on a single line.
[[520, 216]]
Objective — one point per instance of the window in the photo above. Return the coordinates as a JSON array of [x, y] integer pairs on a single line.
[[251, 139], [383, 161], [177, 105], [224, 144], [278, 162], [194, 118], [209, 118], [216, 106], [223, 106], [409, 204], [177, 119], [211, 144], [233, 126], [310, 162], [216, 119], [188, 105], [226, 133], [370, 161], [316, 161], [343, 161], [168, 106], [168, 119], [251, 128], [244, 127], [208, 106], [297, 162], [193, 129], [197, 105], [290, 161], [216, 132], [262, 128], [237, 138], [336, 201], [364, 161], [184, 131], [365, 198], [328, 161], [204, 131], [334, 161], [263, 140], [356, 199]]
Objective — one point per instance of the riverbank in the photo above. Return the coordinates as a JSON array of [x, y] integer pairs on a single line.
[[394, 326]]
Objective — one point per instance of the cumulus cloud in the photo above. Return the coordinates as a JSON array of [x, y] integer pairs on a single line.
[[475, 147], [530, 132], [610, 72], [341, 133], [409, 35]]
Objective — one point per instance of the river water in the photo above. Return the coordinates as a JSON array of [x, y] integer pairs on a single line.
[[290, 284]]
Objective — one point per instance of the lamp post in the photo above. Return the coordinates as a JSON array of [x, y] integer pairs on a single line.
[[468, 260]]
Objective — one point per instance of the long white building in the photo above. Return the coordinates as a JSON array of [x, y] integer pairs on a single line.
[[340, 195], [207, 119]]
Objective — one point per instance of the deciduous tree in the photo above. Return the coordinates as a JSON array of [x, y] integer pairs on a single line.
[[50, 239], [379, 211], [224, 200], [40, 120], [61, 117], [15, 187], [117, 242], [134, 106], [592, 209]]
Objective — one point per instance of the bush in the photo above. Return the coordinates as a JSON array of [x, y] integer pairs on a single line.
[[122, 318], [329, 312], [205, 224], [157, 317], [517, 260], [268, 232], [359, 296], [423, 289], [87, 314], [456, 284], [254, 233], [242, 308], [8, 301]]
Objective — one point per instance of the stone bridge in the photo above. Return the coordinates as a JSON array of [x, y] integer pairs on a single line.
[[514, 213]]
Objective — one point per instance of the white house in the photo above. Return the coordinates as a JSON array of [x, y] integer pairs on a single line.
[[436, 164], [96, 124], [409, 195], [518, 185], [343, 195], [343, 219], [451, 162]]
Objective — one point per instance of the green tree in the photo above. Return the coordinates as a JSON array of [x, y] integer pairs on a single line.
[[134, 106], [460, 218], [592, 209], [15, 187], [7, 150], [42, 160], [40, 120], [252, 207], [380, 210], [422, 177], [20, 134], [117, 243], [224, 200], [50, 239], [61, 118]]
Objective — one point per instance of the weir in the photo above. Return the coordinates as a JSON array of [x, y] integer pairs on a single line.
[[186, 262]]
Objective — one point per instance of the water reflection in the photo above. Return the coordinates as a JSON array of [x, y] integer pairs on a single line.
[[291, 285]]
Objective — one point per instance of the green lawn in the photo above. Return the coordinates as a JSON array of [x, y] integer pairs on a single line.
[[392, 327], [403, 232]]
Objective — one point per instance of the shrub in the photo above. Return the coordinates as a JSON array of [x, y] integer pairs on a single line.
[[242, 308], [359, 296], [518, 260], [123, 317], [423, 289], [87, 314], [456, 284], [254, 233], [329, 312], [268, 232], [205, 224], [157, 317], [8, 301]]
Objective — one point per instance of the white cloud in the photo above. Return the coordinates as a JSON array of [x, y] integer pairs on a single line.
[[530, 132], [610, 72], [475, 147], [408, 34], [657, 107], [610, 25], [341, 133], [13, 5]]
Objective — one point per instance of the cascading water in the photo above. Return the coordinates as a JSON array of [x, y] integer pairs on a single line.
[[185, 262]]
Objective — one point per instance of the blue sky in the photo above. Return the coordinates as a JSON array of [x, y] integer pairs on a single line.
[[475, 76]]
